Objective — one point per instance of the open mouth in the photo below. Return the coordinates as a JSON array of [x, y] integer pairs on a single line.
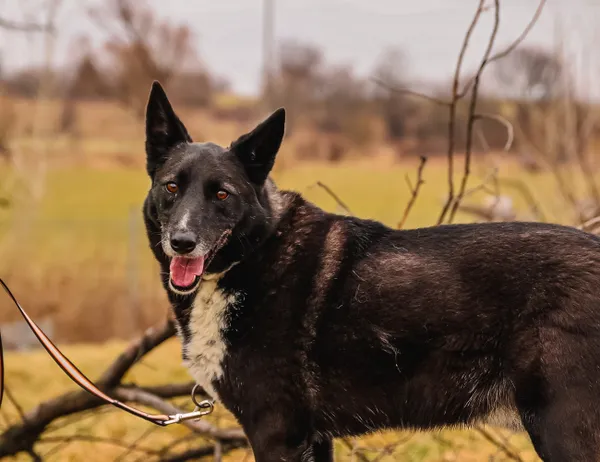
[[186, 273]]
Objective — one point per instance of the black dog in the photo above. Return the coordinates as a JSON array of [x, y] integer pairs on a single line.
[[309, 326]]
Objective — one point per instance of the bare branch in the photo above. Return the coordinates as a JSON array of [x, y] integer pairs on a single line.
[[414, 192], [166, 449], [510, 130], [508, 452], [472, 106], [409, 92], [508, 49], [95, 439], [218, 452], [335, 197], [134, 445], [591, 225], [152, 338], [522, 188], [20, 437], [201, 426], [196, 454], [15, 403], [452, 109], [350, 446], [521, 37]]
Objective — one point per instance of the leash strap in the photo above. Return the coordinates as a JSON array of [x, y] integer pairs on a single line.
[[202, 408]]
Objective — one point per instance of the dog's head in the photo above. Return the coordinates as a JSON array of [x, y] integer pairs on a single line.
[[210, 204]]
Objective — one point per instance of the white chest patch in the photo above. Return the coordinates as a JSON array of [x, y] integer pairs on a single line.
[[206, 347]]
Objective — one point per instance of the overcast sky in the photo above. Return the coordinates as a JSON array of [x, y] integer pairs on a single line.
[[353, 32]]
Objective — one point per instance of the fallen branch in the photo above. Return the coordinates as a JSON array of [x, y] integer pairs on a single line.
[[360, 456], [95, 439], [22, 436], [15, 403], [508, 452], [195, 454], [134, 445], [202, 427]]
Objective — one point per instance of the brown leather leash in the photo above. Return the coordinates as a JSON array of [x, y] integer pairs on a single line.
[[202, 408]]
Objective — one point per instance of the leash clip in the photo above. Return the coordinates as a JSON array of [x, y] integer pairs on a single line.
[[202, 408]]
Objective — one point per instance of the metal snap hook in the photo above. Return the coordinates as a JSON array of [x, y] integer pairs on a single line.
[[204, 404]]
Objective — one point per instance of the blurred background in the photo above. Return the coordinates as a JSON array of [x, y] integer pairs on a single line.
[[411, 113]]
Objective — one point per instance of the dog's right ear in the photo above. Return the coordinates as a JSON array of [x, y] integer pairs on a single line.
[[164, 130]]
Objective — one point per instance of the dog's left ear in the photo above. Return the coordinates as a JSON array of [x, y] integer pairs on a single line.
[[258, 148], [164, 130]]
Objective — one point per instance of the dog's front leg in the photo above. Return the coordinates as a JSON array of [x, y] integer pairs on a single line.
[[280, 437], [323, 451]]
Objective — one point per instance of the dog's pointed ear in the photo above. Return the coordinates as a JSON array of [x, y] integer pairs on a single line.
[[164, 130], [258, 148]]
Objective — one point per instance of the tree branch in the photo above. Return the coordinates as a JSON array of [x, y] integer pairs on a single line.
[[206, 451], [509, 452], [152, 338], [510, 130], [523, 189], [521, 37], [511, 47], [135, 395], [335, 197], [472, 106], [407, 91], [96, 439], [452, 110], [22, 436], [414, 192]]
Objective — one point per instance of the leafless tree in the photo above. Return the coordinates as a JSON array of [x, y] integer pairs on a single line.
[[142, 48], [397, 109], [294, 78], [532, 72]]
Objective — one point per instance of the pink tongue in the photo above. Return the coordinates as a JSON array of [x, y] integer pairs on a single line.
[[185, 270]]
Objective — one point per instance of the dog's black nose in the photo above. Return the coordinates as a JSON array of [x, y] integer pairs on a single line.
[[183, 242]]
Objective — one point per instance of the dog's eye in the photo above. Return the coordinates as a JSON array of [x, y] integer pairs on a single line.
[[222, 195], [172, 187]]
